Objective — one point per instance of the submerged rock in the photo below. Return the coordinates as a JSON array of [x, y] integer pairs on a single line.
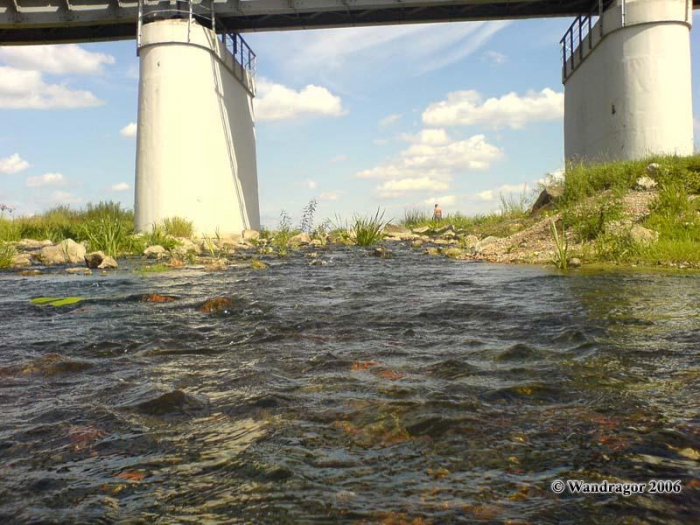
[[67, 251], [452, 253], [380, 251], [79, 271], [108, 263], [217, 304], [176, 401], [217, 265]]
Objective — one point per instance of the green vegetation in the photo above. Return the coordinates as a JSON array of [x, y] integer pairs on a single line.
[[284, 232], [56, 301], [561, 254], [593, 203], [178, 227], [7, 251], [368, 230], [156, 268]]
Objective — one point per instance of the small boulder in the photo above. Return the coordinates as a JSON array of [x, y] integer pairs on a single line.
[[300, 239], [67, 251], [396, 230], [421, 230], [108, 263], [432, 251], [645, 184], [470, 242], [653, 169], [217, 265], [381, 252], [94, 259], [452, 253], [31, 244], [479, 247], [444, 229], [251, 235], [575, 262], [641, 235], [155, 252], [548, 195], [21, 260]]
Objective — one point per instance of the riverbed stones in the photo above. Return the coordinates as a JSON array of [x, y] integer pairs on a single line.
[[21, 260], [78, 271], [155, 251], [31, 244], [479, 247], [300, 239], [641, 235], [645, 184], [452, 253], [396, 230], [251, 235], [67, 251]]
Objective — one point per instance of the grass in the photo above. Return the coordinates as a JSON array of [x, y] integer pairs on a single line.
[[561, 254], [7, 251], [368, 230], [178, 227]]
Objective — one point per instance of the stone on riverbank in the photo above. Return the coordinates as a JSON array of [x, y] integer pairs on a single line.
[[251, 235], [155, 252], [67, 251], [641, 235], [479, 246], [548, 195], [300, 239], [21, 260], [395, 230], [31, 244], [645, 184]]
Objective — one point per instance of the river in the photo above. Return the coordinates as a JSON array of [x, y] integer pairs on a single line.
[[409, 389]]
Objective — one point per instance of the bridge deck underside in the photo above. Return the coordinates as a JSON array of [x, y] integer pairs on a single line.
[[47, 21]]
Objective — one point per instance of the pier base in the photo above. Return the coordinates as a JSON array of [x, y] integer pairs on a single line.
[[628, 91], [196, 133]]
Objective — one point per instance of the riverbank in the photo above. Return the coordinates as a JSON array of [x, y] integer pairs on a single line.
[[633, 214]]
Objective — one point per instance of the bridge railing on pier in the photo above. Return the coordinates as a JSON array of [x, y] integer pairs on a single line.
[[579, 39], [203, 13]]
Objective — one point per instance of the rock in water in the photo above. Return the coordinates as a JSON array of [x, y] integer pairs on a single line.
[[108, 263], [645, 184], [94, 259], [67, 251], [575, 262], [79, 271], [21, 260]]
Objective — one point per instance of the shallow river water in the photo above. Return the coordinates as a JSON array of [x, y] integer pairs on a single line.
[[411, 389]]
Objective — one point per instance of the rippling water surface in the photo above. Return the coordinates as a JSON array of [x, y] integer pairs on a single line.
[[401, 390]]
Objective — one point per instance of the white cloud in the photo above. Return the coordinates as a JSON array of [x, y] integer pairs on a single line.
[[437, 156], [278, 102], [48, 179], [129, 130], [485, 195], [64, 197], [310, 184], [495, 57], [21, 89], [339, 158], [391, 119], [329, 196], [422, 183], [122, 186], [468, 107], [13, 164], [56, 59], [447, 200], [428, 136]]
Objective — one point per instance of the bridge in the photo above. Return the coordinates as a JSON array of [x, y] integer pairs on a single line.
[[625, 67]]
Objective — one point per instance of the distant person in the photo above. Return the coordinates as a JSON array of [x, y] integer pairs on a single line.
[[437, 213]]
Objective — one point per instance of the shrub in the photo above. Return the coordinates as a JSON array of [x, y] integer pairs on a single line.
[[368, 230], [178, 227]]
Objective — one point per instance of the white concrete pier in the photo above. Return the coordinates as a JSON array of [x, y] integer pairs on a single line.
[[196, 133], [628, 91]]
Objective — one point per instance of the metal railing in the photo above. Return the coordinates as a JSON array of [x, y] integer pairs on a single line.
[[203, 12], [580, 32]]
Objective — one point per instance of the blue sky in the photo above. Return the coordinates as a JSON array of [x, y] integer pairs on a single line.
[[359, 118]]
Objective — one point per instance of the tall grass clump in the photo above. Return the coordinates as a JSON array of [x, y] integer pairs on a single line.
[[413, 218], [7, 251], [307, 217], [284, 232], [561, 254], [368, 230], [158, 236], [178, 227]]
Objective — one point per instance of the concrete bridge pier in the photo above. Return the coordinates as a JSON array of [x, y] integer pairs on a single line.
[[627, 78], [196, 132]]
